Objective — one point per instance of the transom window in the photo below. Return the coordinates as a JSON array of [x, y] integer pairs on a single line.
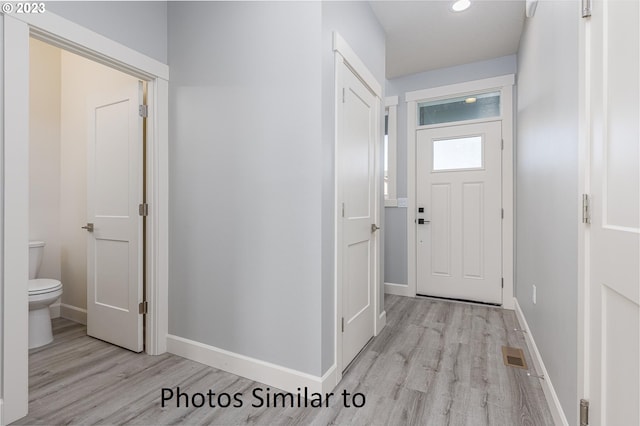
[[462, 108]]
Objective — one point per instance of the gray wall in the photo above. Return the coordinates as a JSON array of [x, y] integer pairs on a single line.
[[547, 190], [396, 218], [140, 25], [357, 24], [246, 166]]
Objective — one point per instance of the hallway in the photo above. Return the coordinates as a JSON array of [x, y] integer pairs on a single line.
[[435, 363]]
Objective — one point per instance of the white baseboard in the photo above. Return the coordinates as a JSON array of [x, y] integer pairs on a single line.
[[73, 313], [547, 387], [2, 412], [382, 322], [54, 310], [260, 371], [397, 289]]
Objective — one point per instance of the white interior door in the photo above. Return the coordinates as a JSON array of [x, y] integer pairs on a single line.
[[459, 202], [115, 185], [356, 196], [613, 308]]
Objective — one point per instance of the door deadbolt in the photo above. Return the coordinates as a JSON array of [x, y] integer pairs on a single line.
[[88, 227]]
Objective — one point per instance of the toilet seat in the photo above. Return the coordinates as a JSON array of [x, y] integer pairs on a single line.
[[43, 286]]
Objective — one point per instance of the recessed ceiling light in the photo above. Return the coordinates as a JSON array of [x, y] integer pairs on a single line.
[[470, 100], [460, 5]]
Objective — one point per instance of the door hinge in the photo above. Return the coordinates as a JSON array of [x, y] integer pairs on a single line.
[[344, 95], [584, 412], [343, 324], [586, 8], [342, 209], [501, 143], [143, 110], [502, 281], [143, 308], [502, 213], [586, 208], [143, 209]]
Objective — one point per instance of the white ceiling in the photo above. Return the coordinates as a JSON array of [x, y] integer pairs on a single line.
[[426, 35]]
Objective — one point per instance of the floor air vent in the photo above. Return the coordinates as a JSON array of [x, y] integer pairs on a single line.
[[513, 357]]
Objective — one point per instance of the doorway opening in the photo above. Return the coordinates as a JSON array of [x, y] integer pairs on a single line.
[[86, 168], [460, 191]]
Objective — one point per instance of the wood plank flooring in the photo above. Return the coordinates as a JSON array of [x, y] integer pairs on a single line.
[[435, 363]]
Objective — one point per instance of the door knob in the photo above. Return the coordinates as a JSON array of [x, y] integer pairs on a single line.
[[88, 227], [374, 227]]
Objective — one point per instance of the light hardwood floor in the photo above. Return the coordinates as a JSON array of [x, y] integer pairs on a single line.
[[436, 363]]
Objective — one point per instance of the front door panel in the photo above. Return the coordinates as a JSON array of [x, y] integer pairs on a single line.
[[459, 229]]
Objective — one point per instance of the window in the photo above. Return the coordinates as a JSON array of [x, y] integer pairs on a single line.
[[457, 154], [462, 108], [389, 151]]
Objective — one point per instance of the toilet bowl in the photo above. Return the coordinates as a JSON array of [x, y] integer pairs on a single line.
[[42, 293]]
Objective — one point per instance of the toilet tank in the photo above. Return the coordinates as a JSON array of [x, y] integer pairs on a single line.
[[36, 249]]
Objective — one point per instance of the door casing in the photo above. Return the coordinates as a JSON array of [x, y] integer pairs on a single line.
[[344, 54], [504, 84], [59, 32]]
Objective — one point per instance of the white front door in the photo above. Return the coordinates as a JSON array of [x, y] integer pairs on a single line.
[[613, 262], [459, 202], [115, 185], [356, 199]]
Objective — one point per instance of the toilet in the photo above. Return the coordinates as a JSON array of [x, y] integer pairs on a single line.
[[42, 293]]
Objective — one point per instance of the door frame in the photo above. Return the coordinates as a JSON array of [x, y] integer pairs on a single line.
[[345, 55], [15, 204], [504, 84]]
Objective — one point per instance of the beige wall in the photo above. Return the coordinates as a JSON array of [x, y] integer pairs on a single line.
[[44, 153], [81, 79]]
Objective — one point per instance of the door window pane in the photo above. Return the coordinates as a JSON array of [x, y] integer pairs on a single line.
[[457, 154], [463, 108]]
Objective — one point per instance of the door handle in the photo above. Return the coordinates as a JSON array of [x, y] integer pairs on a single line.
[[88, 227], [374, 228], [422, 221]]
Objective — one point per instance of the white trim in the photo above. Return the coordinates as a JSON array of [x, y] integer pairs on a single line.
[[382, 322], [157, 238], [15, 368], [397, 289], [62, 32], [254, 369], [412, 124], [505, 85], [356, 64], [2, 412], [508, 192], [66, 34], [547, 387], [73, 313], [392, 150], [584, 187], [461, 88], [390, 101]]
